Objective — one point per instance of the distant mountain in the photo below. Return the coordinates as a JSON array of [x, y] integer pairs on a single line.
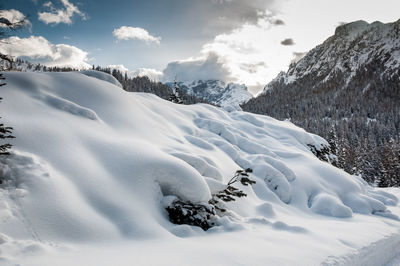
[[347, 90], [355, 47], [216, 92]]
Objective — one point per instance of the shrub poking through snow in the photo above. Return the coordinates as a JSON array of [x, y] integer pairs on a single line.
[[5, 133], [185, 212]]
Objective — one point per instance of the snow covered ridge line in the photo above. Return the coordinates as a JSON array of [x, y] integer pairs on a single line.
[[217, 92], [94, 164]]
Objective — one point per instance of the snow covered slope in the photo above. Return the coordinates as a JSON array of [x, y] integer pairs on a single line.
[[92, 164], [102, 76], [216, 92]]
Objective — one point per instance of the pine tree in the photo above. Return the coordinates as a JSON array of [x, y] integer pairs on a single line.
[[6, 25], [332, 140], [390, 165], [175, 95], [5, 133]]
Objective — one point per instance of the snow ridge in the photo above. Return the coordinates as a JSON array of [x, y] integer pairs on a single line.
[[216, 92]]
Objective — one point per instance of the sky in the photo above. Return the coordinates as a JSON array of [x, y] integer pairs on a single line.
[[241, 41]]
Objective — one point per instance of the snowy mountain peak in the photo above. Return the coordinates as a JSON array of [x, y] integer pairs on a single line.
[[217, 92], [353, 47], [352, 27]]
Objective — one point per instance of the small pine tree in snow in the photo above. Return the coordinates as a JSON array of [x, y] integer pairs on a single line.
[[230, 193], [202, 215], [5, 133], [175, 95]]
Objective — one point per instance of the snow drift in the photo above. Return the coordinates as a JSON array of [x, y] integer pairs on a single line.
[[92, 163]]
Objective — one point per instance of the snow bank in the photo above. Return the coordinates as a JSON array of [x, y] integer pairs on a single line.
[[92, 164], [102, 76]]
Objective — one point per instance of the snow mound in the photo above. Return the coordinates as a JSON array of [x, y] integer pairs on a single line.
[[329, 205], [74, 179], [102, 76]]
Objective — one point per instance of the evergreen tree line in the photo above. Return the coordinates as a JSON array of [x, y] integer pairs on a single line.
[[359, 117], [22, 65], [144, 84]]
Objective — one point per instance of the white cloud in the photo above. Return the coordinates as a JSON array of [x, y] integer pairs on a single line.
[[127, 33], [62, 15], [209, 66], [12, 16], [37, 49], [151, 73], [242, 56], [121, 68]]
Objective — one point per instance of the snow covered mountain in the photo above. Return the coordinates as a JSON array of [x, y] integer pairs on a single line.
[[93, 168], [353, 47], [216, 92]]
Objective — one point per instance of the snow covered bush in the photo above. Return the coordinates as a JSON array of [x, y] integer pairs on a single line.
[[185, 212], [202, 215], [324, 153]]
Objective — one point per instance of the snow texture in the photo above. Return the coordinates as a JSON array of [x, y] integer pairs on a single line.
[[93, 165]]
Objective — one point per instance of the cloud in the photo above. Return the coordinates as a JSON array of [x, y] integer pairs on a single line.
[[121, 68], [211, 66], [151, 73], [278, 22], [12, 16], [128, 33], [252, 67], [220, 16], [62, 15], [37, 49], [298, 56], [250, 54], [287, 42]]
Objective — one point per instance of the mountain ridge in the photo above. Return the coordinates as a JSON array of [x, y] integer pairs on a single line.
[[358, 41], [216, 92]]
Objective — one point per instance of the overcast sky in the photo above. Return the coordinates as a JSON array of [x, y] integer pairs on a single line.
[[241, 41]]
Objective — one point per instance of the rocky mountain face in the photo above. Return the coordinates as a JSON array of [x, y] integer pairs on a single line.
[[354, 47], [347, 90], [216, 92]]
